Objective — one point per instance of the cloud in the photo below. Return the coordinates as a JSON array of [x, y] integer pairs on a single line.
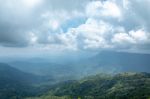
[[122, 41], [16, 19], [93, 34], [90, 25], [135, 39], [19, 18], [103, 9]]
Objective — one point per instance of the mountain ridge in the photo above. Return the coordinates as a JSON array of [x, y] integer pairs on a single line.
[[120, 86]]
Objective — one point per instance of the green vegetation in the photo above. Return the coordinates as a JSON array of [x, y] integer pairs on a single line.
[[51, 97], [15, 84], [120, 86]]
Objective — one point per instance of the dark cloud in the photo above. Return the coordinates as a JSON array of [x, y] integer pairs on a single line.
[[18, 18]]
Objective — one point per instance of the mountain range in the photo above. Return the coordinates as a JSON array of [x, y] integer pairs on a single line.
[[103, 62]]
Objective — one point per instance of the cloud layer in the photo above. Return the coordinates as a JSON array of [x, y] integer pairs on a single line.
[[71, 25]]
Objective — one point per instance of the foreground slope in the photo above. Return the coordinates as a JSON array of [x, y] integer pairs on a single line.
[[120, 86]]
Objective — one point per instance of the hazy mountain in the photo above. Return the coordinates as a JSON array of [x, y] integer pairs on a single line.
[[103, 62], [55, 71], [113, 62]]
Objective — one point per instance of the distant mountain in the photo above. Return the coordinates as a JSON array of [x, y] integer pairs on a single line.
[[125, 61], [53, 71], [102, 86], [113, 62], [15, 84], [104, 62]]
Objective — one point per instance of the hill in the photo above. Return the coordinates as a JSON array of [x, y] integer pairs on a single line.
[[119, 86], [15, 84]]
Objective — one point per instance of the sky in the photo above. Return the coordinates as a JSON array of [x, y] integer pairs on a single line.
[[34, 27]]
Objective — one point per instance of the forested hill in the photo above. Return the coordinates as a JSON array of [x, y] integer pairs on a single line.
[[15, 84], [120, 86]]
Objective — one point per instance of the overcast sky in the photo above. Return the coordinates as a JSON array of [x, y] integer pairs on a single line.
[[53, 26]]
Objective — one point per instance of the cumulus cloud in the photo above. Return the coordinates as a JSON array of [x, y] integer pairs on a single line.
[[90, 25], [136, 40], [103, 9]]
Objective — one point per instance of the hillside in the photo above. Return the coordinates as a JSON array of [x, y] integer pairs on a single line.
[[15, 84], [120, 86]]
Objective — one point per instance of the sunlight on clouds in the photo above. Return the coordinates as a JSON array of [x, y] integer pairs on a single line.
[[31, 3], [122, 38], [131, 39], [111, 9], [33, 38], [94, 43], [54, 24], [54, 19], [140, 35], [107, 9], [92, 27], [125, 4]]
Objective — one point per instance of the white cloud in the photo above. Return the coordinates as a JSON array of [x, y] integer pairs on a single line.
[[90, 35], [54, 19], [122, 40], [125, 4], [140, 36], [96, 43], [135, 38], [103, 9], [33, 38], [31, 3]]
